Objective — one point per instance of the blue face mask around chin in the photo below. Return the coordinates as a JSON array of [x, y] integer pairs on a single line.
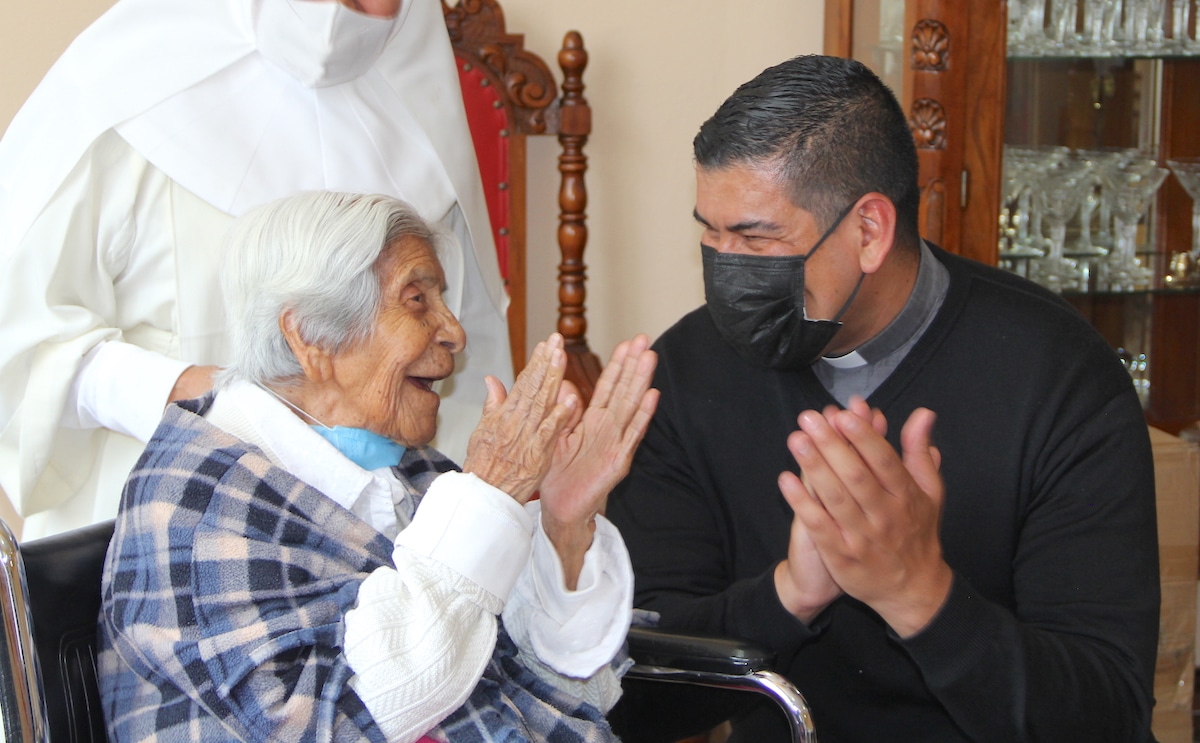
[[365, 448]]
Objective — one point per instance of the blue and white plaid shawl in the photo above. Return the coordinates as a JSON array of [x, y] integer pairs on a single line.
[[224, 591]]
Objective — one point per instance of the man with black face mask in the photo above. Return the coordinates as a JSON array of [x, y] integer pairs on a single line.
[[995, 579]]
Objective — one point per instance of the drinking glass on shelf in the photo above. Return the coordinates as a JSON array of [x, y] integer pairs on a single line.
[[1026, 27], [1059, 189], [1144, 25], [1132, 186], [1063, 14], [1191, 30], [1099, 25], [1187, 172], [1014, 213], [1156, 27], [1102, 159], [1022, 165], [1181, 35], [1016, 27], [1082, 244]]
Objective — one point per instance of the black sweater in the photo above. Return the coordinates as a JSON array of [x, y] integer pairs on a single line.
[[1051, 627]]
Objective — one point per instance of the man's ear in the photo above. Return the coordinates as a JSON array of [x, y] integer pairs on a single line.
[[314, 360], [877, 227]]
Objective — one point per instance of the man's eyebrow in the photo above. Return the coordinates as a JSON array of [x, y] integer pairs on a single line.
[[757, 225]]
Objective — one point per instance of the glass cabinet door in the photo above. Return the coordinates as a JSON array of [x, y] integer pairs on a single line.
[[1060, 139]]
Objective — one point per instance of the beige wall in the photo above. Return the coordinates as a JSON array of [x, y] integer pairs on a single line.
[[657, 70]]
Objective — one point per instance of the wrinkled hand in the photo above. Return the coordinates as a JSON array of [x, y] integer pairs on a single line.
[[512, 446], [871, 514], [193, 382], [596, 449]]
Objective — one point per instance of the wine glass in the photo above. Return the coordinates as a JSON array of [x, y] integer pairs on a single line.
[[1063, 14], [1017, 173], [1187, 172], [1060, 189], [1026, 27], [1181, 39], [1144, 25], [1103, 159], [1132, 186], [1099, 25]]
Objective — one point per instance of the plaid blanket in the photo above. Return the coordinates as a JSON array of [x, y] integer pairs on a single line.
[[224, 591]]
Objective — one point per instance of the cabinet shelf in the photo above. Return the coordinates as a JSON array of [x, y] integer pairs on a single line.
[[1119, 54]]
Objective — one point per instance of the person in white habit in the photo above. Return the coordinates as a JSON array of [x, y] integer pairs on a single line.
[[162, 122]]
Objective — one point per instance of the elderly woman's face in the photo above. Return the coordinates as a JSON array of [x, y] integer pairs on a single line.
[[386, 381]]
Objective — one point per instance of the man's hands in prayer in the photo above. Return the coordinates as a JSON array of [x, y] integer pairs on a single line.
[[866, 517]]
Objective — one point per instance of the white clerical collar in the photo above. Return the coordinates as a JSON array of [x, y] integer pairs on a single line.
[[923, 303], [850, 360]]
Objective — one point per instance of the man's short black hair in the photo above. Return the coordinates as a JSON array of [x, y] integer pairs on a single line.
[[833, 128]]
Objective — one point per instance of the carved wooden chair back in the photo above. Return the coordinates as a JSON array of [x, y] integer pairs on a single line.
[[511, 94]]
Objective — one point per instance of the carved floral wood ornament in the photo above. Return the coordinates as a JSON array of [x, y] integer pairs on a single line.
[[476, 29], [930, 45], [928, 123]]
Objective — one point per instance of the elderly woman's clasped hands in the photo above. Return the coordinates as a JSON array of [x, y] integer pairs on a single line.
[[539, 435]]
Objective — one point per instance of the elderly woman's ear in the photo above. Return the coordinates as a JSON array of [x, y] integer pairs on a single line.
[[314, 360]]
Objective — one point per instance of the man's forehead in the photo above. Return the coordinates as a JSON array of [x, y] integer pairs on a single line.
[[742, 196]]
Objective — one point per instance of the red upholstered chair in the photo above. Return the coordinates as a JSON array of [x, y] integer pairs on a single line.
[[510, 94]]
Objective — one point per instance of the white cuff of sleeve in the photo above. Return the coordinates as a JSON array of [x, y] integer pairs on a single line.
[[474, 529], [580, 631], [122, 387]]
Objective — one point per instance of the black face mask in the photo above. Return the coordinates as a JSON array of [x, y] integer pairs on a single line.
[[757, 303]]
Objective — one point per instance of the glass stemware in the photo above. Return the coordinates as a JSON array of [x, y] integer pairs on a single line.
[[1063, 14], [1026, 27], [1103, 159], [1190, 36], [1015, 209], [1144, 25], [1099, 25], [1060, 189], [1132, 186], [1187, 172]]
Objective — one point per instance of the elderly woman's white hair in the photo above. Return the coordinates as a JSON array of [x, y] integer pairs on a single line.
[[312, 254]]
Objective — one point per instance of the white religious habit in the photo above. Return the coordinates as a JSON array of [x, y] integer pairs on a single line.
[[161, 123]]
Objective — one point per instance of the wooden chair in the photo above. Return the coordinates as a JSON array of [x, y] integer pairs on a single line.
[[510, 94]]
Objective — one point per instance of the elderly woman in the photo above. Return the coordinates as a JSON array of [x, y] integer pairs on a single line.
[[291, 561]]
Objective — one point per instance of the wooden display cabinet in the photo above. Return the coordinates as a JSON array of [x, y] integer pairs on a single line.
[[966, 98]]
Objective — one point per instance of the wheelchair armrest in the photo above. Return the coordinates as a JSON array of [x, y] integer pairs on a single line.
[[720, 662], [649, 646]]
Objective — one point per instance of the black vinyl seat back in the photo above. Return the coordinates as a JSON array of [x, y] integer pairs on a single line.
[[63, 577]]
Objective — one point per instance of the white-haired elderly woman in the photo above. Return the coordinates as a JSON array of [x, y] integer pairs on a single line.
[[292, 563]]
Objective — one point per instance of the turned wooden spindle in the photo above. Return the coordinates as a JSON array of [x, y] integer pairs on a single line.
[[575, 125]]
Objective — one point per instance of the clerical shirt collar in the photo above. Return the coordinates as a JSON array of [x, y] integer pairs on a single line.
[[923, 302]]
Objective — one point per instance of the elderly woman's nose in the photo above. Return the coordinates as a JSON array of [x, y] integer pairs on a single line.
[[451, 335]]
